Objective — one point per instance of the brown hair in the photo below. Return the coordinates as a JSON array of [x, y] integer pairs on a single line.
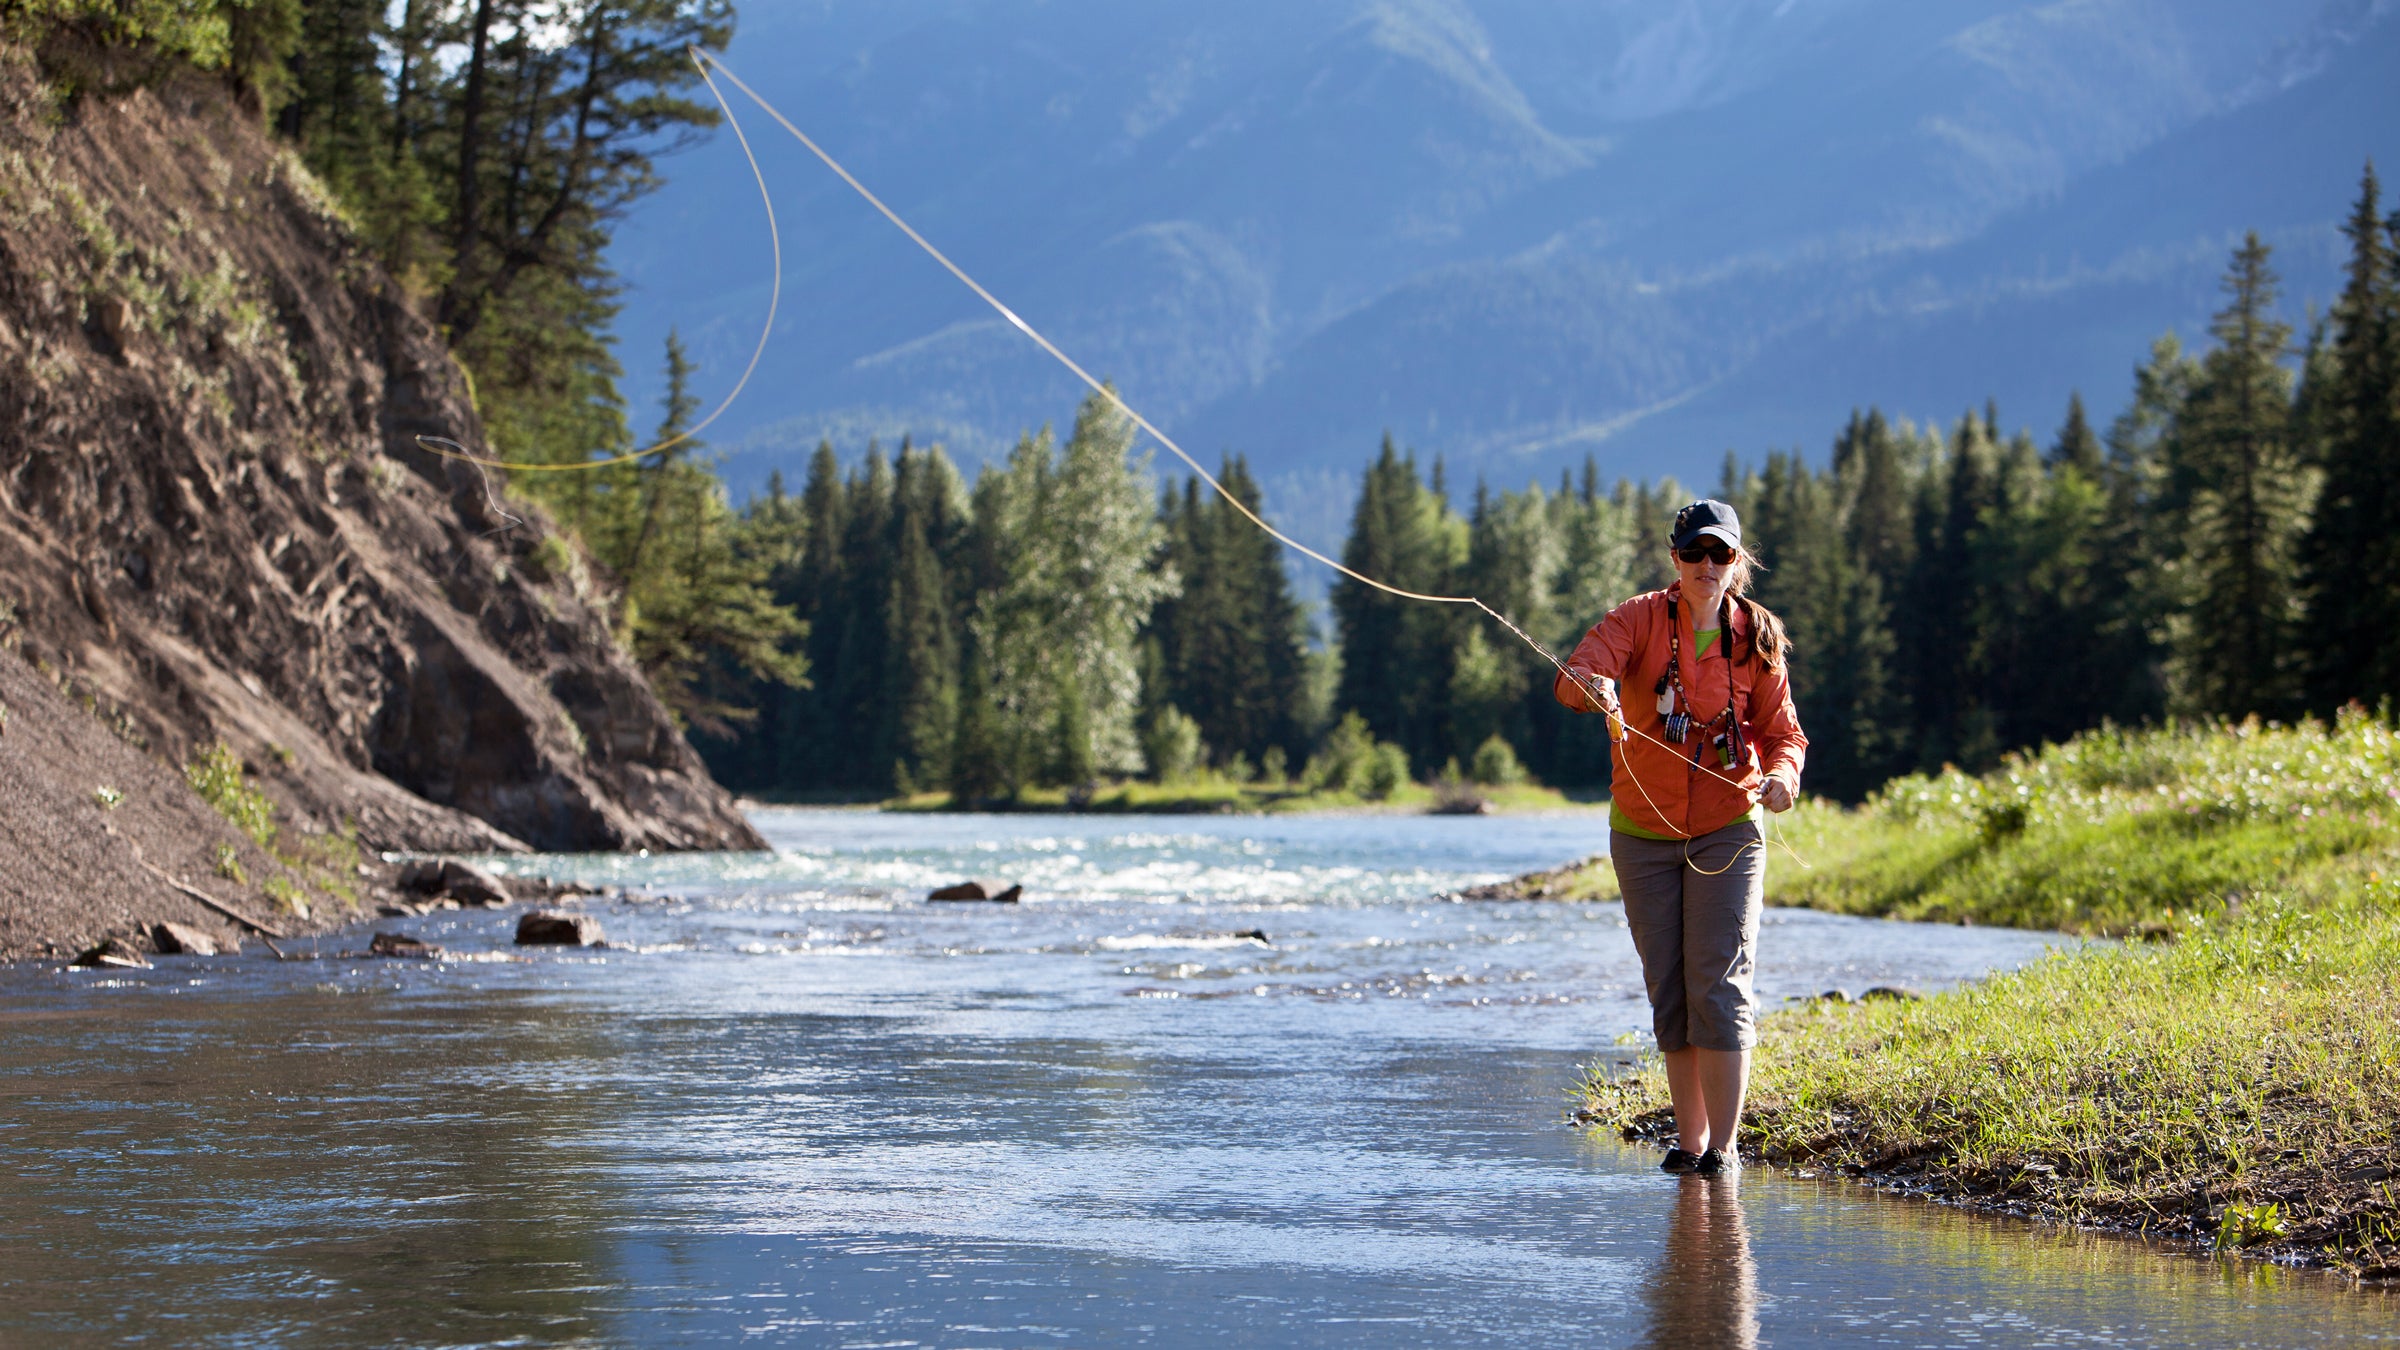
[[1768, 642]]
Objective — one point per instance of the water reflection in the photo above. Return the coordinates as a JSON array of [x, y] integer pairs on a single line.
[[307, 1164], [788, 1116], [1703, 1293]]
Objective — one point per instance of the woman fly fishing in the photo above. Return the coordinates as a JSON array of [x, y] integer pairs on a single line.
[[1708, 737]]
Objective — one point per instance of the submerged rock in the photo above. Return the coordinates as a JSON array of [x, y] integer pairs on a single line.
[[116, 953], [1897, 992], [552, 928], [451, 879], [403, 946], [981, 888], [173, 938]]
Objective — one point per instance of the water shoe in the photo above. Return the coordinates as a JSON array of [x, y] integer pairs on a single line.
[[1715, 1162], [1679, 1161]]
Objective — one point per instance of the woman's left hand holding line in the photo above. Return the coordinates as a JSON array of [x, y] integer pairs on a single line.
[[1775, 795]]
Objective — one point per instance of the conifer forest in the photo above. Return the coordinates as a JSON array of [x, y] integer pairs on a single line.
[[2227, 545]]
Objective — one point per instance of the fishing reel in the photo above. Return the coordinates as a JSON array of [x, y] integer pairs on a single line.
[[1677, 727]]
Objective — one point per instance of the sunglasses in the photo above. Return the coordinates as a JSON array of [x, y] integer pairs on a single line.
[[1713, 550]]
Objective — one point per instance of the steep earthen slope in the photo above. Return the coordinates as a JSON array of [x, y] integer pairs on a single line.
[[215, 524]]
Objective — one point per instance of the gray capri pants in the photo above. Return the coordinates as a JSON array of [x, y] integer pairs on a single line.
[[1697, 934]]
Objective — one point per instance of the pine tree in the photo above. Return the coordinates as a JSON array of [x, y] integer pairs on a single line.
[[2249, 501], [862, 701], [695, 606], [2353, 545], [919, 618], [1833, 612], [2078, 446], [1229, 643], [1940, 607], [1396, 653]]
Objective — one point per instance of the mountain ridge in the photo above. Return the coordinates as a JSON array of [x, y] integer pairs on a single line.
[[1710, 195]]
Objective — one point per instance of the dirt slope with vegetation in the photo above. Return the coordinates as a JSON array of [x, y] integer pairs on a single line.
[[215, 526]]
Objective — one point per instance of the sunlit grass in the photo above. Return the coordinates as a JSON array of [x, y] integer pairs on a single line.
[[2235, 1082], [2114, 832], [2254, 1062]]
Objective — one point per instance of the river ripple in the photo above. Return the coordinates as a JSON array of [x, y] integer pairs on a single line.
[[799, 1105]]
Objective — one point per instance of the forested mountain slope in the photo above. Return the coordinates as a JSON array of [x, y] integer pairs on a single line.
[[215, 526], [1510, 233]]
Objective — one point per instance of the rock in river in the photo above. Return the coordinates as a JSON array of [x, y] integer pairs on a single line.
[[980, 888], [115, 952], [551, 928], [456, 880], [402, 945], [173, 938]]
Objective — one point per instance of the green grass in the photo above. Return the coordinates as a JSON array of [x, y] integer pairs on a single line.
[[2115, 832], [2233, 1084]]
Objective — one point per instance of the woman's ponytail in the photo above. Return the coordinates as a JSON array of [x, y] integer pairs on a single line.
[[1767, 639]]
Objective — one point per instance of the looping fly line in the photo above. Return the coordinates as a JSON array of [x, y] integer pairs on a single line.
[[450, 449], [703, 61]]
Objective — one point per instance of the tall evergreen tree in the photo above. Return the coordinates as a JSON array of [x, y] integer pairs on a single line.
[[1230, 645], [2353, 550], [2249, 501], [1396, 654], [920, 618], [2078, 446], [1937, 625]]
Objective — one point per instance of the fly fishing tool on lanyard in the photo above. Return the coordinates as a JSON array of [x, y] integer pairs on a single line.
[[1675, 706]]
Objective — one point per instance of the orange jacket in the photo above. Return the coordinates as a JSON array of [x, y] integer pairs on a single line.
[[1661, 786]]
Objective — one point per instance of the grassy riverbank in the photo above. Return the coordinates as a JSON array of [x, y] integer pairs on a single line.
[[2233, 1083]]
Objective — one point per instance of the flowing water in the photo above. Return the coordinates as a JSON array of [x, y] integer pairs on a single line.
[[794, 1103]]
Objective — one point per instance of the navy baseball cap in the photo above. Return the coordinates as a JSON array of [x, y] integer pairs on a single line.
[[1706, 516]]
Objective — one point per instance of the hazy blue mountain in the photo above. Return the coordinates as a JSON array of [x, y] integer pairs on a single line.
[[1510, 232]]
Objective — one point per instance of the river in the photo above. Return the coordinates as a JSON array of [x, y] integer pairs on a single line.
[[793, 1103]]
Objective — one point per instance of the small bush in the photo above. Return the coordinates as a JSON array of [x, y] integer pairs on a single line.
[[216, 774], [1173, 745], [1496, 764], [109, 798], [1385, 771], [229, 865], [1339, 762], [1274, 767]]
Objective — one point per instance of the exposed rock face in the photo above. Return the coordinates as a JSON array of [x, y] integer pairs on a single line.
[[215, 524]]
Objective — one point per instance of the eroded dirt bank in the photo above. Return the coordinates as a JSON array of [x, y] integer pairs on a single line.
[[215, 527]]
